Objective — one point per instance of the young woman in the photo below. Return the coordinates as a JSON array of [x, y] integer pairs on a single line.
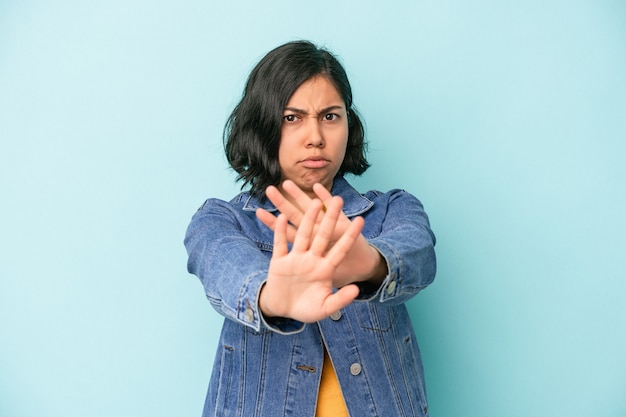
[[310, 275]]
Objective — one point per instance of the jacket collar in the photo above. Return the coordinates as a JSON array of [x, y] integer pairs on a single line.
[[354, 203]]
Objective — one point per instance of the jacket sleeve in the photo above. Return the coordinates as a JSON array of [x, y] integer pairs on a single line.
[[407, 244], [230, 265]]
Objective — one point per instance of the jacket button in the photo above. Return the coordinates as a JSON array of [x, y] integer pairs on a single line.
[[335, 316], [355, 369], [391, 287], [249, 315]]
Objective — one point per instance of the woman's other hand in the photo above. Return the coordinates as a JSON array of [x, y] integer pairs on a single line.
[[362, 263]]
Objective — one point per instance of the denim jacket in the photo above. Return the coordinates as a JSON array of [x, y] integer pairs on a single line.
[[272, 368]]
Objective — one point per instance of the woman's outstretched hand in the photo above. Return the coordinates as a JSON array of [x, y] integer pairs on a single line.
[[300, 282], [362, 262]]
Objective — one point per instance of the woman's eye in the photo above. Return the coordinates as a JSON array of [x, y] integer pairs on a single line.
[[331, 116], [290, 118]]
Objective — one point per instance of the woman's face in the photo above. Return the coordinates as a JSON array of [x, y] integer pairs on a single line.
[[314, 135]]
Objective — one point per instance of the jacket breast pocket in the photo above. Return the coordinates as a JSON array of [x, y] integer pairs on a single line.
[[373, 317], [265, 247]]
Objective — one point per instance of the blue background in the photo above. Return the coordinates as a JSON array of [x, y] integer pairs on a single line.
[[506, 118]]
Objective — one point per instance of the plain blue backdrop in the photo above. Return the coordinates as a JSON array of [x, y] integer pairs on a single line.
[[506, 118]]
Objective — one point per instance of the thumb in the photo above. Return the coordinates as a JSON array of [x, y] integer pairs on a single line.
[[341, 298]]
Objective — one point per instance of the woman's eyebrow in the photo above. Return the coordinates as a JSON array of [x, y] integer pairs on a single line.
[[296, 110], [331, 108], [306, 113]]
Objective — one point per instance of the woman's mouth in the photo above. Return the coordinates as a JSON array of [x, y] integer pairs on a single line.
[[314, 162]]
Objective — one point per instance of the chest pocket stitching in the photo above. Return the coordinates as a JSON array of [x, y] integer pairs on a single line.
[[374, 319]]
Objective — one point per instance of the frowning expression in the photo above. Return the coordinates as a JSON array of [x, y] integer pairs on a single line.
[[314, 134]]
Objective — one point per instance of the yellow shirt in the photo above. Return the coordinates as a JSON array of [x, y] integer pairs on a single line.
[[330, 401]]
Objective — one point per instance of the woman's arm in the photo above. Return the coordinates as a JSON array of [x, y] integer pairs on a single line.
[[393, 265], [281, 293], [408, 245], [227, 261]]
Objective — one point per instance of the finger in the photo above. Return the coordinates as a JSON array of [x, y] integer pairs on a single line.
[[293, 212], [305, 230], [321, 192], [269, 220], [340, 249], [301, 198], [266, 218], [280, 238], [326, 230], [341, 298]]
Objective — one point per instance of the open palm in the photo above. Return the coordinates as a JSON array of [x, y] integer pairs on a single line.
[[300, 282]]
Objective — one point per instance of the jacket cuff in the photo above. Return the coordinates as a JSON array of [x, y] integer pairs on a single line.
[[390, 287], [247, 312]]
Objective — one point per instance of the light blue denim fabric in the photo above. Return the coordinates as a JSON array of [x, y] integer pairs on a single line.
[[272, 368]]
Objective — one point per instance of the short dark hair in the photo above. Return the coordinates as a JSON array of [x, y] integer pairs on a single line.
[[252, 132]]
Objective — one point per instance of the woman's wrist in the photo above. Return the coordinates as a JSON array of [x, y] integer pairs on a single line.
[[263, 308], [380, 269]]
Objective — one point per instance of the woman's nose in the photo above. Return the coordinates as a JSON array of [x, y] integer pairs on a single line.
[[315, 137]]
